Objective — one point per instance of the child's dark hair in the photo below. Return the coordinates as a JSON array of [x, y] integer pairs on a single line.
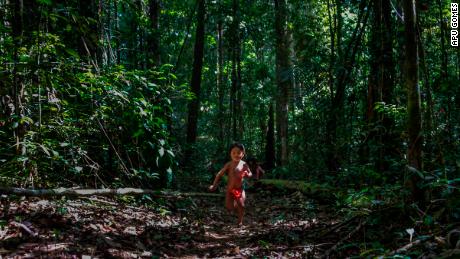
[[252, 160], [238, 145]]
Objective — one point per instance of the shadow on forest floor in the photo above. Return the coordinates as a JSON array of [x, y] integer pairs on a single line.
[[290, 225]]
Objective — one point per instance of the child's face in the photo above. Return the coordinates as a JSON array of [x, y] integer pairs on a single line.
[[236, 154]]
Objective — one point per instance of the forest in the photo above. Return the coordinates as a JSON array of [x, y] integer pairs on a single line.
[[116, 116]]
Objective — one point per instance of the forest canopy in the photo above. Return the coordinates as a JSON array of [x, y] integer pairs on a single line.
[[115, 92]]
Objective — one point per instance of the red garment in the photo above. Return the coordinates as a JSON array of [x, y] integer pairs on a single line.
[[236, 193]]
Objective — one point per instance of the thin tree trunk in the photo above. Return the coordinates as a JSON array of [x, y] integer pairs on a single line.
[[388, 139], [443, 42], [414, 126], [335, 117], [235, 94], [233, 102], [87, 45], [137, 38], [270, 140], [117, 31], [184, 43], [154, 38], [283, 79], [331, 127], [263, 127], [375, 61], [458, 89], [194, 105], [444, 71], [338, 26], [380, 85], [428, 123], [239, 97], [109, 32], [332, 54], [17, 30], [220, 84], [103, 44]]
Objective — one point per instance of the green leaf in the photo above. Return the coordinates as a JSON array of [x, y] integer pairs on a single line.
[[138, 133], [45, 150], [45, 2], [428, 220], [26, 119], [73, 53]]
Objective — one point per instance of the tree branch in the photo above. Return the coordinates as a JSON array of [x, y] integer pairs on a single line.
[[99, 192]]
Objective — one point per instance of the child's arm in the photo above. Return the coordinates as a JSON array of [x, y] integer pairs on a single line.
[[249, 173], [262, 171], [218, 176]]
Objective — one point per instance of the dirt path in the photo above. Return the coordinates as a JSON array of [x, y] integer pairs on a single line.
[[276, 226]]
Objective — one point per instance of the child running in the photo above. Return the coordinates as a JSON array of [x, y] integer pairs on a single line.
[[237, 169]]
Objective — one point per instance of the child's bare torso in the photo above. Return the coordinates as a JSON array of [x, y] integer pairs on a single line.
[[236, 172]]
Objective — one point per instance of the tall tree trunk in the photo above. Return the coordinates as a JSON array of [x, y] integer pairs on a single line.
[[443, 41], [4, 113], [154, 38], [236, 107], [414, 126], [375, 56], [194, 105], [381, 78], [17, 30], [331, 134], [117, 30], [220, 84], [444, 72], [428, 113], [270, 140], [457, 99], [388, 66], [87, 45], [239, 91], [136, 38], [332, 53], [233, 96], [110, 53], [346, 59], [338, 22], [283, 79], [102, 50]]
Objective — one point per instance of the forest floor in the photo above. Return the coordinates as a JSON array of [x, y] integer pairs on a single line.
[[276, 225]]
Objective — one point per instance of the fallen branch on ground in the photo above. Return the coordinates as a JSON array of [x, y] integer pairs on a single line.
[[338, 225], [99, 192], [24, 227], [328, 252], [406, 247]]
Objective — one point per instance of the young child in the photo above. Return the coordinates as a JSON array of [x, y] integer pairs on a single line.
[[236, 169]]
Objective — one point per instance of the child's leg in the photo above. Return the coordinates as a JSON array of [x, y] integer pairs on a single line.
[[240, 208], [229, 202]]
